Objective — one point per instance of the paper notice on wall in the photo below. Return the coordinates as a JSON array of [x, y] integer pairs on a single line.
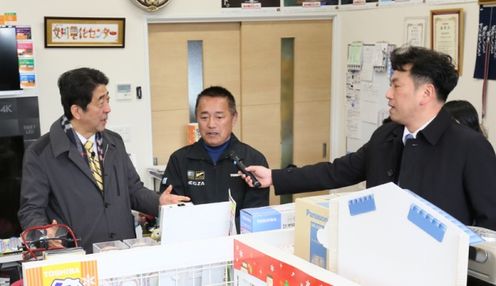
[[353, 79], [368, 112], [368, 92], [353, 114], [367, 129], [367, 73], [379, 57], [353, 127], [352, 94], [354, 60], [367, 82], [382, 115], [353, 144]]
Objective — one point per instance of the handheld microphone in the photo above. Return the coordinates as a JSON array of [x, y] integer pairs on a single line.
[[237, 161]]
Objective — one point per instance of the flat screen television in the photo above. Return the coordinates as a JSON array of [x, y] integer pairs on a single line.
[[11, 154], [9, 62]]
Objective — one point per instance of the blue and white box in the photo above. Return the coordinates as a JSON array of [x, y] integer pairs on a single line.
[[267, 218]]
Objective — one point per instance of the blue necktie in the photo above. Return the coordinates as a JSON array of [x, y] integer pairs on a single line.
[[408, 137]]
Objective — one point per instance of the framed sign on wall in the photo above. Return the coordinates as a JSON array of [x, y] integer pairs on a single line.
[[72, 32]]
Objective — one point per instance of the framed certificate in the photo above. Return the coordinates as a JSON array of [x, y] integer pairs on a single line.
[[415, 30], [447, 34], [486, 2]]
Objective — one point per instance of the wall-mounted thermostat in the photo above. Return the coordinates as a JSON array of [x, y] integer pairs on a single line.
[[124, 91]]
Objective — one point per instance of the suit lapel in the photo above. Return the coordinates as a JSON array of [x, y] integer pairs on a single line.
[[79, 161], [61, 144]]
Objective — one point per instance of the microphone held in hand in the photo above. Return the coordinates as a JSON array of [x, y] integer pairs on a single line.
[[237, 161]]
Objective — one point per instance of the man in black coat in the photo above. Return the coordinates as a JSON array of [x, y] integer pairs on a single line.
[[447, 163]]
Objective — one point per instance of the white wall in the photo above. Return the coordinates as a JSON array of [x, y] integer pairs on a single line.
[[126, 65], [130, 65], [386, 24]]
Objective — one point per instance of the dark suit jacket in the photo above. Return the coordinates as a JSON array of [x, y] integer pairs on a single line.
[[448, 164], [57, 184]]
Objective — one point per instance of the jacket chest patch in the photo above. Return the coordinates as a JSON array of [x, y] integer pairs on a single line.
[[196, 178], [196, 175]]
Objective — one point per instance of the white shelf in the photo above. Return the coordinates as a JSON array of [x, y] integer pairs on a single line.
[[6, 258]]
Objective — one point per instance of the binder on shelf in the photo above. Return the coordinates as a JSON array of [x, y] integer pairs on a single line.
[[389, 236]]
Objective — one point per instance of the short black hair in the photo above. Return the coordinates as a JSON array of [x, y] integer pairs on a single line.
[[218, 91], [76, 87], [427, 66]]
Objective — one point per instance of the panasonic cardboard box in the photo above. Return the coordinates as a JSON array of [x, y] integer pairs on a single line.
[[312, 214], [267, 218]]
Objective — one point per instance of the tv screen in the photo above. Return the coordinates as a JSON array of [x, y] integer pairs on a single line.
[[9, 62], [11, 154]]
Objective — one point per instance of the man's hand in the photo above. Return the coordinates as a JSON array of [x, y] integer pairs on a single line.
[[263, 175], [167, 198], [52, 233]]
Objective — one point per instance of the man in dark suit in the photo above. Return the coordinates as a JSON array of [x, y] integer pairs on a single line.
[[447, 163], [79, 173]]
